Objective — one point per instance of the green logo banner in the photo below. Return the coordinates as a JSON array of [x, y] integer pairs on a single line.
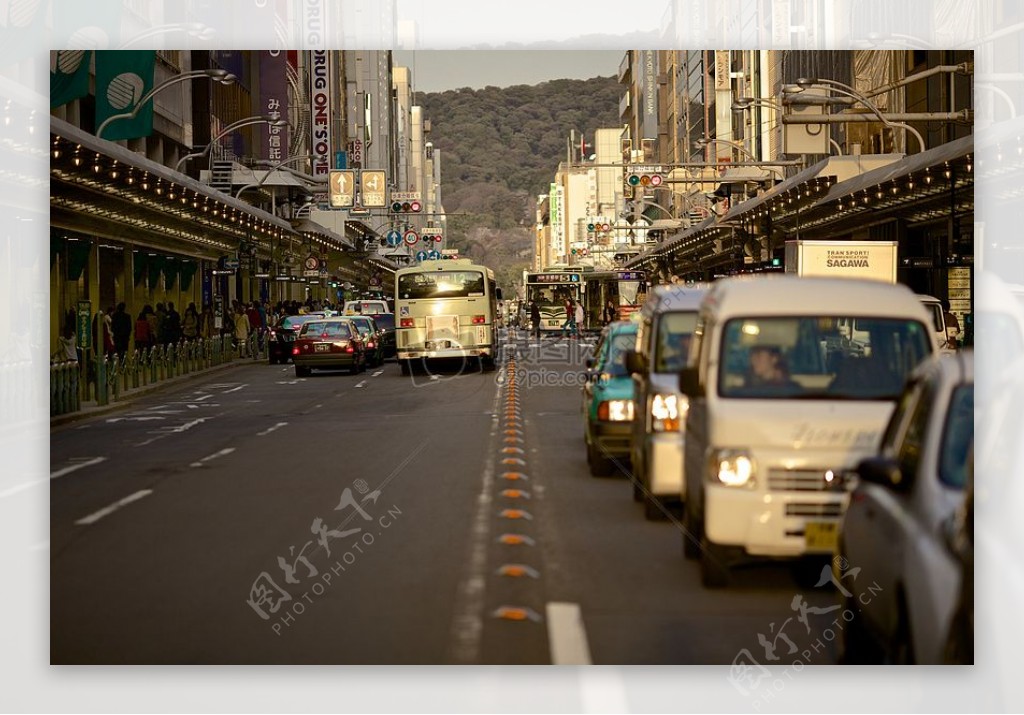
[[123, 77], [69, 75]]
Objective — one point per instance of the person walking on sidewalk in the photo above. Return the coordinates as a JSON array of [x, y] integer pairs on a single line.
[[143, 330], [121, 327], [241, 331], [534, 319], [190, 323]]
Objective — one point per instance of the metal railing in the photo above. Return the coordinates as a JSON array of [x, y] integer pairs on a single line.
[[107, 379]]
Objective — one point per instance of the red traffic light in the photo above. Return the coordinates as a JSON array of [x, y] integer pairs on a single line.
[[415, 206]]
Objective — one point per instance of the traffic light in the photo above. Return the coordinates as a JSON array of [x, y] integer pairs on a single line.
[[645, 180], [406, 207]]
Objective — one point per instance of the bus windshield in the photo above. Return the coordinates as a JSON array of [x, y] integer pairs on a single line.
[[441, 284], [552, 294]]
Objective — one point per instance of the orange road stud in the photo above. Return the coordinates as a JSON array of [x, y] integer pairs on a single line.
[[518, 571], [515, 514], [517, 613], [514, 476], [516, 540], [515, 494]]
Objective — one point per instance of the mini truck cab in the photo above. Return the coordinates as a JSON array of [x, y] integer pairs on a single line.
[[783, 401], [667, 321]]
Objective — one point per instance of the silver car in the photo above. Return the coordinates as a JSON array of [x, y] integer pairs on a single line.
[[900, 578]]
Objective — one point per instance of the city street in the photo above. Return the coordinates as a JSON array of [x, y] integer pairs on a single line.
[[252, 517]]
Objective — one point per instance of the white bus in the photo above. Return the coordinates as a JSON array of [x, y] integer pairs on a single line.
[[446, 309]]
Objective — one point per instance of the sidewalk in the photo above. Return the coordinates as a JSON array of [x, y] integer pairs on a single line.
[[91, 409]]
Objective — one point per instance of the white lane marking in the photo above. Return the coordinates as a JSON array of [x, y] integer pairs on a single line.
[[226, 450], [267, 431], [567, 637], [164, 431], [288, 382], [361, 384], [108, 510], [379, 372], [468, 625], [435, 377], [87, 462], [135, 419], [204, 397], [234, 389]]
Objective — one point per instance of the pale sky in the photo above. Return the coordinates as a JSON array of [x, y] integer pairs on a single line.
[[438, 70]]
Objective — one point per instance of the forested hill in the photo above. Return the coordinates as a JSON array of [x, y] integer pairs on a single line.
[[500, 147]]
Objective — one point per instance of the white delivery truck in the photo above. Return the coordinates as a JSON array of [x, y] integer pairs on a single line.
[[783, 399]]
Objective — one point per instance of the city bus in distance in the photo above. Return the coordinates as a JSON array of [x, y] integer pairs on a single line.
[[550, 289], [627, 290], [446, 309]]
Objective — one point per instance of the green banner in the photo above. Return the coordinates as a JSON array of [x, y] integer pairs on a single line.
[[123, 77], [69, 75]]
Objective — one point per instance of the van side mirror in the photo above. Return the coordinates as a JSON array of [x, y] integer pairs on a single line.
[[635, 362], [689, 382], [497, 293], [885, 471]]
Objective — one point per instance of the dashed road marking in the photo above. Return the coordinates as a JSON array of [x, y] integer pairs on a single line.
[[361, 384], [267, 431], [379, 372], [234, 389], [86, 462], [215, 455], [566, 635], [108, 510]]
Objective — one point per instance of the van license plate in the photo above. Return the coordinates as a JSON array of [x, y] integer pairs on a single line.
[[821, 535]]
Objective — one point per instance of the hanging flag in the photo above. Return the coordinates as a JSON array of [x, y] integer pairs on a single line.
[[123, 77], [69, 75]]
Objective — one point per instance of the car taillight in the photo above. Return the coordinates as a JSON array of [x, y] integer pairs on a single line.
[[369, 344], [295, 350], [479, 320], [408, 323]]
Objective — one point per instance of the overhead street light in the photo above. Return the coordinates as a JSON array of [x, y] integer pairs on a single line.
[[217, 75], [741, 104], [803, 83], [273, 119]]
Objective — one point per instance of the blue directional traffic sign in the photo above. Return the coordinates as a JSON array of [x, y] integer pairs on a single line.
[[421, 255], [434, 255], [393, 238]]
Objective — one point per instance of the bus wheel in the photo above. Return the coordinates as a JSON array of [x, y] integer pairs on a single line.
[[404, 364], [487, 363]]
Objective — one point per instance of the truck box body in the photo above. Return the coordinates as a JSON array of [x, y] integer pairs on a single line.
[[874, 260]]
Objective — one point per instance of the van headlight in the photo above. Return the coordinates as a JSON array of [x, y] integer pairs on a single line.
[[667, 412], [615, 411], [731, 468]]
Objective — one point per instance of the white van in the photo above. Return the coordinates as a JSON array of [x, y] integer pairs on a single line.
[[667, 320], [790, 383], [941, 331]]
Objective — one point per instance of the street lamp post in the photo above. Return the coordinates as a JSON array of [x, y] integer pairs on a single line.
[[273, 119], [803, 83], [743, 103], [217, 75]]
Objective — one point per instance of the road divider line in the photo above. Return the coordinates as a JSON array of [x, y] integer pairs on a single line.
[[108, 510], [234, 389], [379, 372], [267, 431], [215, 455], [566, 634], [361, 384], [468, 623], [88, 462]]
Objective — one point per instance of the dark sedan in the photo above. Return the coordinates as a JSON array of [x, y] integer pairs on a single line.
[[328, 343], [281, 336], [372, 338], [386, 325]]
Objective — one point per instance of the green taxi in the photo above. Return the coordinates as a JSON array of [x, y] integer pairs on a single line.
[[608, 399]]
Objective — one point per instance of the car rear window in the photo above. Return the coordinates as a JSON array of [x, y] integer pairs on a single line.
[[314, 329], [384, 321]]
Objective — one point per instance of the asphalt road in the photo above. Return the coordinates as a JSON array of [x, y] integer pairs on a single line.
[[252, 517]]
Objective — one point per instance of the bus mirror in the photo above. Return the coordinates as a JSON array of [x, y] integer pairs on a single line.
[[497, 293], [689, 382]]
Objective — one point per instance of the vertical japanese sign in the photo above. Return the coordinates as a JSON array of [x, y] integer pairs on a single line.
[[320, 111], [649, 126], [273, 98]]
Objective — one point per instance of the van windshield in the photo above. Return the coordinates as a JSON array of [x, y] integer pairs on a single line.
[[675, 331], [825, 357]]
